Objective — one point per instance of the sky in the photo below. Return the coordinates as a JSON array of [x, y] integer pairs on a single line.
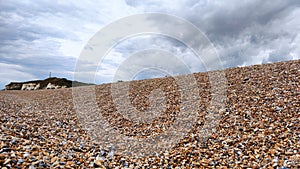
[[42, 36]]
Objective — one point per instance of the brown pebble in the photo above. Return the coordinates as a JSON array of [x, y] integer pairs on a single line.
[[99, 163], [63, 159], [2, 156], [70, 163], [53, 159]]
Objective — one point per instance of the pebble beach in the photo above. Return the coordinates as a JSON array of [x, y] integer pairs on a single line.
[[258, 126]]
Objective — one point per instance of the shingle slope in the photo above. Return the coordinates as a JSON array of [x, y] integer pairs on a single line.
[[257, 128]]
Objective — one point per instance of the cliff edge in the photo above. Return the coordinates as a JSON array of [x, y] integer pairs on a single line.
[[49, 83]]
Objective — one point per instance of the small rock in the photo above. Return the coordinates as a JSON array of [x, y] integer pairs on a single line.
[[278, 108], [31, 167], [98, 163], [20, 161], [53, 159], [70, 163], [62, 163], [7, 161]]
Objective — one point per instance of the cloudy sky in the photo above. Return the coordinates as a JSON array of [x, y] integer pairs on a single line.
[[41, 36]]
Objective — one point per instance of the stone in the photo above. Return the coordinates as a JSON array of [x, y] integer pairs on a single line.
[[54, 159]]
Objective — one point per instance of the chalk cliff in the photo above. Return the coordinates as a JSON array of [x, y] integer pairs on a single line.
[[49, 83]]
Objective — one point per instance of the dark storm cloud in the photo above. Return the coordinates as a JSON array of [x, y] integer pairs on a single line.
[[244, 32]]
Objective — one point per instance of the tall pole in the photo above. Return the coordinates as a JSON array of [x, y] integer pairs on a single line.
[[49, 74]]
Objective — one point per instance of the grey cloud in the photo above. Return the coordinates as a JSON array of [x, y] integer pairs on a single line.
[[31, 34], [39, 66], [234, 17], [243, 31], [12, 72], [262, 22]]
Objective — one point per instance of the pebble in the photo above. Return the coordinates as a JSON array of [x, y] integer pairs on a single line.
[[53, 159], [20, 161], [7, 161]]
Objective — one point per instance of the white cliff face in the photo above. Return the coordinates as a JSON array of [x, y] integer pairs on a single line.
[[50, 86], [50, 83], [37, 87], [34, 86], [30, 86], [53, 86]]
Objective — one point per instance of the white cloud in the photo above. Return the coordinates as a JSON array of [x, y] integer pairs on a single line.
[[13, 73]]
